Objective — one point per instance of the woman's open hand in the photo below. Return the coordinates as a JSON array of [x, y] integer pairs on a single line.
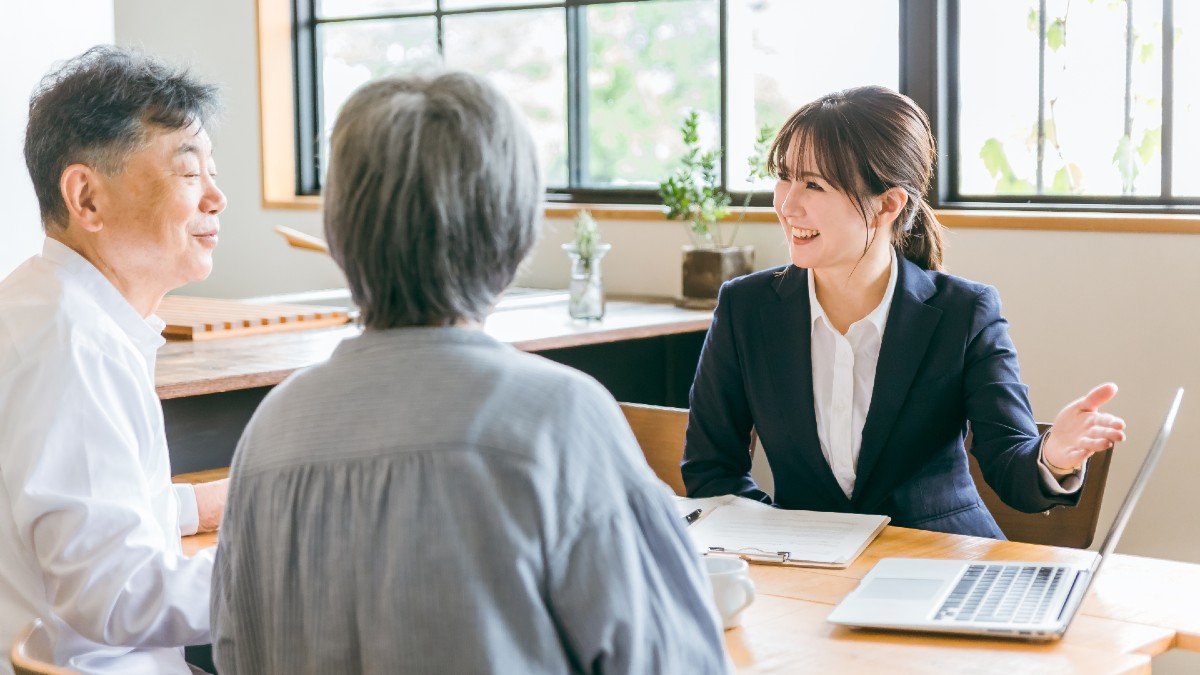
[[1080, 430]]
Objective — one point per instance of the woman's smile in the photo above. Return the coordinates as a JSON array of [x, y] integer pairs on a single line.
[[801, 234]]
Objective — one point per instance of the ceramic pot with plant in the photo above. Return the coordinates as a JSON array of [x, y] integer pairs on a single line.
[[693, 194]]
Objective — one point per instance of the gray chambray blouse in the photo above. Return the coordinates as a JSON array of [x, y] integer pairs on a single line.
[[431, 500]]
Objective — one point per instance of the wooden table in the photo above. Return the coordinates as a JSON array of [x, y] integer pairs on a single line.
[[1129, 616], [644, 351], [188, 368], [1138, 608]]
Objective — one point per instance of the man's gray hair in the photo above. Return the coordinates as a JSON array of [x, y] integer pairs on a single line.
[[432, 200], [99, 108]]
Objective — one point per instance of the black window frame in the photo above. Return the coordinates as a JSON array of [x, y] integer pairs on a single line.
[[307, 85], [928, 73], [307, 96], [948, 139]]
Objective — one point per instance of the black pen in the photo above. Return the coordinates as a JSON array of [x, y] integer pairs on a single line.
[[691, 517]]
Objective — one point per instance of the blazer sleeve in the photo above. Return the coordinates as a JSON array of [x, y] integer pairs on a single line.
[[716, 452], [1006, 441]]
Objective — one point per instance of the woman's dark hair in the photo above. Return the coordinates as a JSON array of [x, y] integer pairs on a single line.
[[99, 108], [866, 141]]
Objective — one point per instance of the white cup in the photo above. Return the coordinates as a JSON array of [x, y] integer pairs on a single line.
[[732, 590]]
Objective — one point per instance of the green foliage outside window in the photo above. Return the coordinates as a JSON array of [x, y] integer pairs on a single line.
[[647, 63], [1130, 154]]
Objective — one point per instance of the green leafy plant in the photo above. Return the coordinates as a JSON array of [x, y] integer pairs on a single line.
[[693, 192], [758, 159], [758, 170], [587, 235]]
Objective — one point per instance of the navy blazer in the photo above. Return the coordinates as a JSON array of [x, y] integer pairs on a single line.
[[946, 360]]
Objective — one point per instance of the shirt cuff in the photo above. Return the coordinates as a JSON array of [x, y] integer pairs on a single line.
[[1056, 485], [189, 513]]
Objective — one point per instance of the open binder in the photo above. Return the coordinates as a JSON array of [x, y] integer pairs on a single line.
[[758, 533]]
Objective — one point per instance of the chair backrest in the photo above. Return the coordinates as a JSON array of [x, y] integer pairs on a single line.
[[660, 432], [32, 653], [1061, 526]]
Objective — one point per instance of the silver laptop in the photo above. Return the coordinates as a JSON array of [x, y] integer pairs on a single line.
[[1027, 600]]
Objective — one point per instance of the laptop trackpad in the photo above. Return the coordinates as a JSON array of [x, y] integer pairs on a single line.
[[891, 588]]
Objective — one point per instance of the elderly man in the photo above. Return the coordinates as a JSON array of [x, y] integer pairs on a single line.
[[122, 166]]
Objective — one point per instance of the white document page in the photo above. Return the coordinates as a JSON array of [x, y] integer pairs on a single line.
[[804, 536]]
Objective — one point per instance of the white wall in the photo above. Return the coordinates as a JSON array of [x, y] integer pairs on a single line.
[[218, 40], [33, 37], [1084, 307]]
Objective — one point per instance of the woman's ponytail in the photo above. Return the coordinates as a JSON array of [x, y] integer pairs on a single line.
[[919, 237]]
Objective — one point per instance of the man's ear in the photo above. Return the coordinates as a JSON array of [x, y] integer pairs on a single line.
[[79, 185]]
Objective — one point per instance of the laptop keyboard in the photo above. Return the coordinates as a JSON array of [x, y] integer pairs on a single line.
[[1002, 594]]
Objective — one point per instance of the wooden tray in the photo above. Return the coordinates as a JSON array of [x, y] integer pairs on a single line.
[[190, 318]]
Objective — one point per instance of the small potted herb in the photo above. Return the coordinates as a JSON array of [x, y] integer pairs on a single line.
[[693, 194]]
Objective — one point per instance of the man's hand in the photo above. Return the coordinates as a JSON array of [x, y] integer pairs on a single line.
[[1081, 430], [210, 503]]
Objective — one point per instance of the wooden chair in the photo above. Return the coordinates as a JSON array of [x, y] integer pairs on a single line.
[[660, 433], [1073, 527], [32, 653]]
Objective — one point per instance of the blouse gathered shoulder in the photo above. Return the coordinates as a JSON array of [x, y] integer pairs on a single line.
[[431, 500]]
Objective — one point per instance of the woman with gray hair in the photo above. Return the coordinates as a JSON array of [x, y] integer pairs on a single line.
[[432, 500]]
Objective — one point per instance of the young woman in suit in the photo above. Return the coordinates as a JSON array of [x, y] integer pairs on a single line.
[[861, 364]]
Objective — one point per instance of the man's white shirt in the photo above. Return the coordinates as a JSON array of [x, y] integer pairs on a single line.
[[89, 518]]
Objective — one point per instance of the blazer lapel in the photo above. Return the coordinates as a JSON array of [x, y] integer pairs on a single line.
[[906, 337], [787, 329]]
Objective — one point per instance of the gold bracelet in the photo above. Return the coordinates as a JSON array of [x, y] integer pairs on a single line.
[[1054, 467], [1058, 469]]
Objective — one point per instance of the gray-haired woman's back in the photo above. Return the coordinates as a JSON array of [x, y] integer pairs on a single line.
[[431, 500]]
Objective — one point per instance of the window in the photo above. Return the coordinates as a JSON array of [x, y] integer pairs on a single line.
[[604, 85], [1075, 103], [1047, 103]]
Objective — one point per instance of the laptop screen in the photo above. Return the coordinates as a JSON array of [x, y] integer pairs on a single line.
[[1139, 483]]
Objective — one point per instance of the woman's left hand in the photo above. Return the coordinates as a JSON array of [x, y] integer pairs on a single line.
[[1081, 430]]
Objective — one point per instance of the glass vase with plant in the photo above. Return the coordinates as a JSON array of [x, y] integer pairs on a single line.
[[586, 289]]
